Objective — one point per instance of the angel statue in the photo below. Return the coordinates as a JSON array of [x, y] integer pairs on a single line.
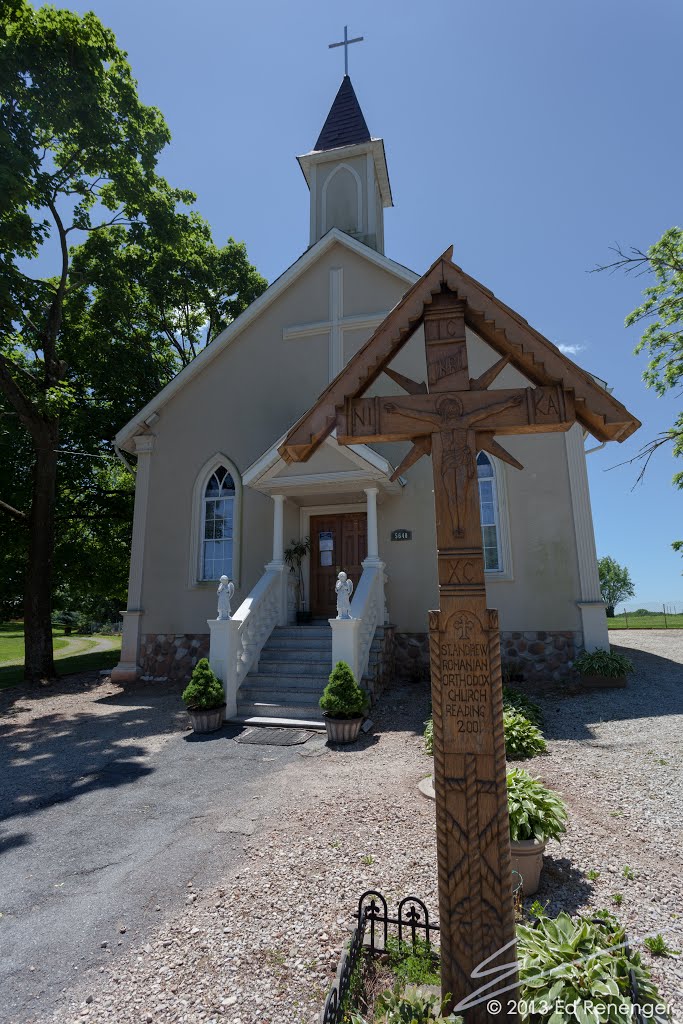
[[226, 589], [344, 589]]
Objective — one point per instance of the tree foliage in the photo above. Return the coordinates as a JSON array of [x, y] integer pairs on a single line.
[[662, 312], [615, 583], [108, 285]]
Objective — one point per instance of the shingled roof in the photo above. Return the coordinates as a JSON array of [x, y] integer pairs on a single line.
[[345, 124]]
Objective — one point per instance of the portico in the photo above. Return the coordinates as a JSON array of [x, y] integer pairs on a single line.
[[340, 482]]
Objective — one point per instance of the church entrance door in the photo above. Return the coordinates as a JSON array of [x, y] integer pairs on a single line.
[[337, 542]]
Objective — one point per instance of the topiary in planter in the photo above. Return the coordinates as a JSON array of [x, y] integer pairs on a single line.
[[343, 697], [522, 738], [343, 703], [204, 691]]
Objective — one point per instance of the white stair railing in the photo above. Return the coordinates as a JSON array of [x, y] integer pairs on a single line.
[[236, 643], [352, 638]]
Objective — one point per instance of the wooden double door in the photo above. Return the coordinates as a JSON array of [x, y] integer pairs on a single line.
[[338, 542]]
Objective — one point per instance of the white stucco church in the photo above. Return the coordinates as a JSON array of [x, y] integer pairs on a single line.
[[214, 497]]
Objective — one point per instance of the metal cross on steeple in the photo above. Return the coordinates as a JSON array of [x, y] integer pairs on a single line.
[[346, 42]]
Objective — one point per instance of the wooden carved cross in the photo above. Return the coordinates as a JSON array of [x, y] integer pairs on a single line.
[[452, 417], [454, 420]]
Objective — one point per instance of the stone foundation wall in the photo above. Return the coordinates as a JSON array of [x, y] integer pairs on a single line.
[[381, 668], [540, 656], [171, 656]]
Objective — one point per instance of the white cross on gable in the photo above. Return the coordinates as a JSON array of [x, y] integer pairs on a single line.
[[337, 323]]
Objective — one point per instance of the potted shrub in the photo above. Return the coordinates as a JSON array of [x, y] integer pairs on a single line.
[[536, 815], [294, 556], [343, 703], [204, 698], [522, 737], [603, 668]]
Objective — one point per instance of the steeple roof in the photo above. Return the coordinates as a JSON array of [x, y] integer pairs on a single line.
[[345, 124]]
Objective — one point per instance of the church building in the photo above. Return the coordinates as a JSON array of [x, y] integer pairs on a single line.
[[215, 497]]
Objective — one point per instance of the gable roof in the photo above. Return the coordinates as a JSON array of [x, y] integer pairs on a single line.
[[501, 327], [345, 124], [334, 236]]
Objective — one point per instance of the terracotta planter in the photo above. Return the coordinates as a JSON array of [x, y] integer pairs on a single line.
[[527, 859], [603, 682], [342, 730], [206, 721]]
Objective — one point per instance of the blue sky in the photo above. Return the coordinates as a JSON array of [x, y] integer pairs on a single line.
[[532, 135]]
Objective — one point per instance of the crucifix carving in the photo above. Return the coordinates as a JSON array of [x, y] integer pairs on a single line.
[[452, 417]]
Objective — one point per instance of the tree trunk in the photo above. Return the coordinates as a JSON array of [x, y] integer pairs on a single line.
[[38, 661], [610, 611]]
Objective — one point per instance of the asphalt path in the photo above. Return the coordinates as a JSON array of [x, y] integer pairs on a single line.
[[107, 816]]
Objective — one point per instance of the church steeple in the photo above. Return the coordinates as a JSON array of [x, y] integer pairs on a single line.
[[347, 174]]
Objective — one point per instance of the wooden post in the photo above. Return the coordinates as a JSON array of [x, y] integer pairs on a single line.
[[473, 847]]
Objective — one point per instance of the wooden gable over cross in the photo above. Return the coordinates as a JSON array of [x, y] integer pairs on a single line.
[[451, 417], [497, 324]]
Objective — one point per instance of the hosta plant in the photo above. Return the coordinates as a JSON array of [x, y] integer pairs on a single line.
[[343, 697], [536, 812], [603, 663], [576, 971], [429, 736], [522, 737], [397, 1006], [515, 700], [204, 690]]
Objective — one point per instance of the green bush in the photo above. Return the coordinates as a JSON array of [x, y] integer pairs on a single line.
[[522, 737], [603, 663], [515, 700], [429, 736], [576, 960], [204, 690], [413, 964], [343, 697], [535, 811]]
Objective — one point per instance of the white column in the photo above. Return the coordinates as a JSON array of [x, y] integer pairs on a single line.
[[278, 561], [591, 605], [373, 544], [278, 529], [128, 667]]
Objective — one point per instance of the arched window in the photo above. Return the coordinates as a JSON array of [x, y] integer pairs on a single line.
[[218, 526], [490, 517]]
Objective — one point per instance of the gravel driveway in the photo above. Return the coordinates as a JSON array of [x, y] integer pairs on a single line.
[[261, 946]]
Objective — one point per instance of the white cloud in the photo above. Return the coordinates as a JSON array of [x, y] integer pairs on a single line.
[[571, 350]]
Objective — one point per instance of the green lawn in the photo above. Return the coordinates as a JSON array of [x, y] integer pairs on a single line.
[[72, 654], [654, 620]]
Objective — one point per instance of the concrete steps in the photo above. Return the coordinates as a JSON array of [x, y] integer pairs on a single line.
[[292, 673]]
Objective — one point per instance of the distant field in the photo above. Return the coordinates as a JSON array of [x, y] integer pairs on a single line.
[[653, 620], [72, 653]]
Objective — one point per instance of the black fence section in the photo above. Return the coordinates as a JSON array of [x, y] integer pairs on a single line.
[[411, 923], [371, 933]]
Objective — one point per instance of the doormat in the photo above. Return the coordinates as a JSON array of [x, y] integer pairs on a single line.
[[274, 737]]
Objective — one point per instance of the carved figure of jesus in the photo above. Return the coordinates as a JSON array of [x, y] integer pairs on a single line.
[[344, 589], [458, 461], [226, 590]]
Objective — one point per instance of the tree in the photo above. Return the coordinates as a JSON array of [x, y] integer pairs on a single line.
[[662, 339], [615, 583], [82, 349]]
